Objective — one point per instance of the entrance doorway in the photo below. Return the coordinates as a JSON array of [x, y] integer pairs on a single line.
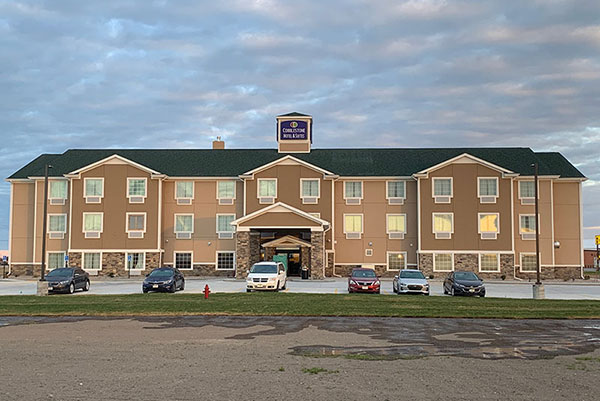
[[292, 256]]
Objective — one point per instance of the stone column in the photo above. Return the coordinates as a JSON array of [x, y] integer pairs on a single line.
[[317, 255], [304, 257], [247, 251], [269, 253]]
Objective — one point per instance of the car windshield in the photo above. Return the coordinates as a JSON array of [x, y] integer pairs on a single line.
[[468, 276], [161, 273], [409, 274], [60, 273], [264, 269], [364, 273]]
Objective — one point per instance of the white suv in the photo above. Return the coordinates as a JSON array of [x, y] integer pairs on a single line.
[[266, 276]]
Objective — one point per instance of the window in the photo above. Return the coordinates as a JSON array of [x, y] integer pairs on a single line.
[[353, 192], [224, 227], [184, 190], [443, 262], [225, 260], [135, 260], [489, 262], [226, 192], [267, 190], [442, 189], [136, 190], [396, 192], [136, 225], [396, 260], [183, 260], [93, 190], [528, 262], [57, 223], [184, 226], [526, 189], [443, 225], [57, 190], [489, 225], [309, 190], [91, 260], [353, 226], [92, 225], [56, 260], [527, 226], [396, 226], [487, 189]]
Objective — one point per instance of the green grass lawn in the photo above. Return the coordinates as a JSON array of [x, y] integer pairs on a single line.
[[286, 304]]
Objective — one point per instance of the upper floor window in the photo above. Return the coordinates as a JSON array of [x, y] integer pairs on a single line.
[[57, 226], [442, 190], [396, 226], [527, 192], [443, 225], [487, 189], [136, 190], [353, 226], [353, 192], [267, 190], [92, 224], [396, 192], [184, 226], [224, 228], [310, 190], [57, 192], [489, 225], [184, 192], [527, 226], [226, 192], [136, 225], [93, 190]]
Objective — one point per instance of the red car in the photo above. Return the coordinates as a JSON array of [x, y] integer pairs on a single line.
[[364, 280]]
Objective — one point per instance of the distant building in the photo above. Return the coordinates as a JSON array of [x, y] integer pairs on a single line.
[[217, 211], [590, 259]]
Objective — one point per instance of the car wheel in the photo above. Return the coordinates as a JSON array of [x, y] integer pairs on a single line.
[[451, 291], [248, 290], [284, 285], [378, 292], [145, 291], [482, 295], [71, 288], [173, 288], [445, 291], [277, 287], [86, 286], [349, 291], [182, 285]]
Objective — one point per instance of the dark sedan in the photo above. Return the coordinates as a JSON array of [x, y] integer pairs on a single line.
[[464, 283], [68, 279], [363, 280], [164, 279]]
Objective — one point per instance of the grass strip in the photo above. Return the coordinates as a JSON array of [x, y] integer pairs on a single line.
[[293, 304]]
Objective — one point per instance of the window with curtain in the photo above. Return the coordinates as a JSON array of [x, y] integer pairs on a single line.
[[527, 189], [442, 187], [135, 261], [353, 223], [93, 187], [91, 261], [353, 189], [137, 187], [442, 222], [136, 222], [528, 225], [310, 188], [223, 223], [396, 189], [92, 222], [396, 223], [396, 261], [442, 262], [184, 223], [57, 223], [267, 188], [528, 263], [56, 260], [488, 187], [184, 190], [489, 262], [57, 189], [226, 189], [488, 223]]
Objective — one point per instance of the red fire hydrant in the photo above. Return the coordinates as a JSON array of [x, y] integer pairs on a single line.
[[206, 291]]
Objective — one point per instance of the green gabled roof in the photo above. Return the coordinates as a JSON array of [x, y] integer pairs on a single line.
[[343, 162]]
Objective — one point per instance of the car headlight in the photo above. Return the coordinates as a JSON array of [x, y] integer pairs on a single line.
[[64, 282], [377, 283], [353, 282]]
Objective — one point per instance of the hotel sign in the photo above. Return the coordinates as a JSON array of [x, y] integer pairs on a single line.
[[294, 130]]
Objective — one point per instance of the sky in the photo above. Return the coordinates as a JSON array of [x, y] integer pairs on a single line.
[[372, 73]]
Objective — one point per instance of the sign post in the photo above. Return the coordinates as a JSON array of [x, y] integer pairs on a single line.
[[128, 266], [4, 263], [598, 252], [66, 260]]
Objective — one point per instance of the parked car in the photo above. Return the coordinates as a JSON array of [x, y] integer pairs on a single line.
[[364, 280], [266, 276], [164, 279], [410, 281], [68, 279], [464, 283]]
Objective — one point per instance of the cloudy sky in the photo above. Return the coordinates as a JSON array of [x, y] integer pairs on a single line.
[[373, 73]]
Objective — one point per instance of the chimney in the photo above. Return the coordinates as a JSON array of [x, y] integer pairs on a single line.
[[218, 144]]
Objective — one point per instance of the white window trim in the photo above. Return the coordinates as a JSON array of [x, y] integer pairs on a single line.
[[488, 196], [63, 253], [315, 214], [497, 259], [433, 222], [57, 214], [191, 259], [83, 260], [101, 222], [129, 179], [234, 189], [387, 221], [127, 230], [258, 180], [527, 197], [537, 226], [443, 253], [433, 179], [85, 195], [521, 262], [387, 260], [479, 230], [217, 260], [387, 193], [66, 190], [362, 190], [185, 197], [217, 223], [362, 225], [318, 196], [175, 223], [127, 260]]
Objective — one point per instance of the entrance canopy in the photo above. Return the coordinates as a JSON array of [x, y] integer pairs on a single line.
[[280, 216], [287, 242]]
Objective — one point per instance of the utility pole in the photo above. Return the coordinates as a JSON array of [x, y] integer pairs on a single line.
[[538, 287], [42, 287]]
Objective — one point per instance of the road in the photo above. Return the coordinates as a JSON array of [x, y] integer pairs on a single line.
[[554, 290], [299, 358]]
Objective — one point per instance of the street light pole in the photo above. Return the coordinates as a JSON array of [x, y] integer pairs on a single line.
[[538, 288], [42, 284]]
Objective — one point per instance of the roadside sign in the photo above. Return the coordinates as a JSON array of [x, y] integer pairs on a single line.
[[129, 258], [5, 258], [66, 258], [597, 239]]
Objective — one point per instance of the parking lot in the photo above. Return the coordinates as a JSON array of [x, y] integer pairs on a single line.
[[554, 290]]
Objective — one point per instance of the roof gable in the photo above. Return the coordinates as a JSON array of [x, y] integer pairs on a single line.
[[287, 161], [305, 219], [465, 158], [113, 159]]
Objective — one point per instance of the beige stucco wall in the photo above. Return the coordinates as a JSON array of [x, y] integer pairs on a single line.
[[22, 219], [567, 223]]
